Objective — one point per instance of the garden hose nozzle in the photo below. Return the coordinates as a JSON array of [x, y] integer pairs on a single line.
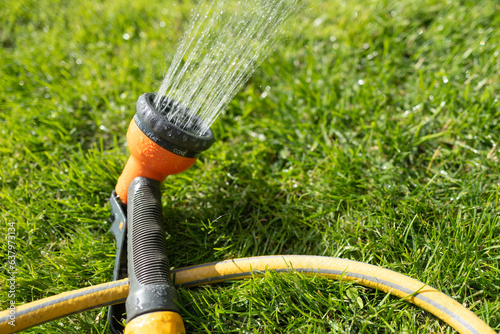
[[158, 147]]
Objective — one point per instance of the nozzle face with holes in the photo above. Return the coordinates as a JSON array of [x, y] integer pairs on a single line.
[[151, 288], [158, 148]]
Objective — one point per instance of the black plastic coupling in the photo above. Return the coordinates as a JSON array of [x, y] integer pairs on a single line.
[[151, 288]]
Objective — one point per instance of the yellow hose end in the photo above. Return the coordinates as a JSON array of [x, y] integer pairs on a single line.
[[156, 323]]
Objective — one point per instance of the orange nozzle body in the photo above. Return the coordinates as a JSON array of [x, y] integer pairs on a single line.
[[159, 147], [148, 159]]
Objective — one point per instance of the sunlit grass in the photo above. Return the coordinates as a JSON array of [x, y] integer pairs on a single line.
[[370, 135]]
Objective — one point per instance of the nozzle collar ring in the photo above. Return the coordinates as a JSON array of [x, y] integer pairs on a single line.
[[166, 134]]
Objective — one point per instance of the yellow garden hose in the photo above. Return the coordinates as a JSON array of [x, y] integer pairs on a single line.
[[418, 293]]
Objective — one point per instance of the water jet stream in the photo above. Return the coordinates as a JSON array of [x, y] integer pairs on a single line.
[[224, 44]]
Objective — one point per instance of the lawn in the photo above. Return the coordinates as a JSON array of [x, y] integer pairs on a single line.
[[372, 134]]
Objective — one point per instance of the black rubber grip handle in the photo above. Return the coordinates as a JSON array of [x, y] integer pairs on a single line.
[[151, 288]]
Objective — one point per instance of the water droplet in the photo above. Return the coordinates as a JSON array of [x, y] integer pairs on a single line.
[[79, 61], [162, 24], [126, 37], [443, 172], [366, 46], [318, 21], [361, 82], [445, 79], [482, 43], [21, 83]]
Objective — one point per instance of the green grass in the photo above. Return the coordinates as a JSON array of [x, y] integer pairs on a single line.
[[377, 142]]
